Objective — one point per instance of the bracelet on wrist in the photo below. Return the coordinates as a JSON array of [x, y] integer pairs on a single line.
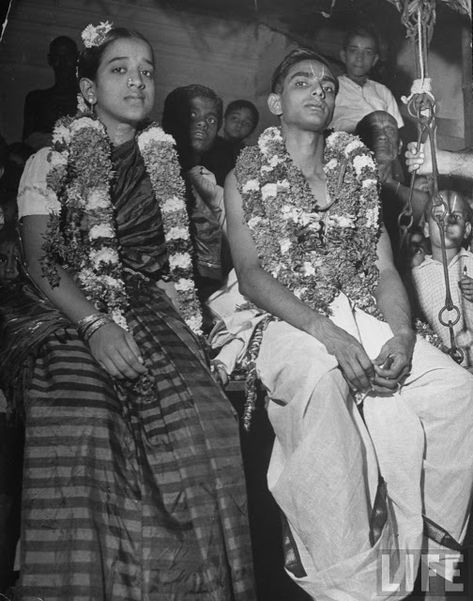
[[89, 324]]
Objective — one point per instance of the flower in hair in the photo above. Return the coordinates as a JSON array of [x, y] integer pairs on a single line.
[[95, 35]]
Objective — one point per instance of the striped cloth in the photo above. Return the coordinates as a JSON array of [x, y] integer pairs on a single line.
[[131, 498]]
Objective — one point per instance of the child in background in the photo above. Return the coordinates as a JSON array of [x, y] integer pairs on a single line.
[[428, 276]]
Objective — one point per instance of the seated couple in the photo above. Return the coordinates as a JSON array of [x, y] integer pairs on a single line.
[[363, 492]]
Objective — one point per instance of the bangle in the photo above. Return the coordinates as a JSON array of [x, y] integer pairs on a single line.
[[89, 324]]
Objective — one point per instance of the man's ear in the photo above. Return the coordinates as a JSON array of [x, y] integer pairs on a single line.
[[375, 60], [426, 229], [467, 230], [274, 104], [87, 87], [343, 56]]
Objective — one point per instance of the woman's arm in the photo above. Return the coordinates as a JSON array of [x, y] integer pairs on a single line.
[[113, 348]]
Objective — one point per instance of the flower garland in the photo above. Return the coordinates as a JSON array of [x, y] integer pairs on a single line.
[[315, 253], [80, 175]]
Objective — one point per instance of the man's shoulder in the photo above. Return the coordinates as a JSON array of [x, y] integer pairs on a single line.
[[248, 163], [379, 87]]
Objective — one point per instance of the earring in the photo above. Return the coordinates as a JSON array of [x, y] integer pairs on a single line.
[[91, 100]]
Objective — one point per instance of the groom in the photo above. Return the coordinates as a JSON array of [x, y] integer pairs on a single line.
[[302, 217]]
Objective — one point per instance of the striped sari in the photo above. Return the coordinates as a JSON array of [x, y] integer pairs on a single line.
[[130, 498]]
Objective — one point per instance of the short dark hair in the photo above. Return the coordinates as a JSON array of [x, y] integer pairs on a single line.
[[363, 31], [236, 105], [178, 101], [297, 56], [90, 58], [176, 117]]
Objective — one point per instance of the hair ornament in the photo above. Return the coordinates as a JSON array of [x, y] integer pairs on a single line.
[[94, 35]]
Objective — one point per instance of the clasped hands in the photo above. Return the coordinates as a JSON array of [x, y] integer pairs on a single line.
[[384, 374]]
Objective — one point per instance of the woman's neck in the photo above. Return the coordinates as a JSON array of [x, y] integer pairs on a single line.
[[119, 133]]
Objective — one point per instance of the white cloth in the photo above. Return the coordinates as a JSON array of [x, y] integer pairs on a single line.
[[353, 102], [34, 196], [234, 329], [323, 470], [429, 282]]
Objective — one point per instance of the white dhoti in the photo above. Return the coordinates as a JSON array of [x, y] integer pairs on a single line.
[[324, 467]]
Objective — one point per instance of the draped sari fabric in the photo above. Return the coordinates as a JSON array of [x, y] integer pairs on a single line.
[[130, 497]]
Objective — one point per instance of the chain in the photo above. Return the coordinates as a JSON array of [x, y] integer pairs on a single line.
[[418, 16]]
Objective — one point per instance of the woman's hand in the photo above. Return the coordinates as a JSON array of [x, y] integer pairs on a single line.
[[117, 352]]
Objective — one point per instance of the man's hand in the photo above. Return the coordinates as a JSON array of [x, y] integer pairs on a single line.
[[393, 364], [117, 352], [355, 364], [420, 160], [204, 183], [466, 286]]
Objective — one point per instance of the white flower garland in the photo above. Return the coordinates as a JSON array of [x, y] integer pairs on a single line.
[[314, 253], [82, 148]]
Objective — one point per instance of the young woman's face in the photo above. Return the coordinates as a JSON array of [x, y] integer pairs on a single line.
[[124, 84]]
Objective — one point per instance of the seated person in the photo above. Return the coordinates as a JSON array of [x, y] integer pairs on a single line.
[[192, 115], [359, 95], [44, 107], [428, 276], [316, 263], [379, 131], [239, 121]]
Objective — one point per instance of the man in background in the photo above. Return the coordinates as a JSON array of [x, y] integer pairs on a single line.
[[44, 107], [358, 94]]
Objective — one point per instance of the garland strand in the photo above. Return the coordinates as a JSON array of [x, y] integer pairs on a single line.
[[80, 175]]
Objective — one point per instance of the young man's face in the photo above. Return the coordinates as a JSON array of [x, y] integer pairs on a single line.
[[307, 98], [455, 222], [360, 56], [238, 124], [203, 123]]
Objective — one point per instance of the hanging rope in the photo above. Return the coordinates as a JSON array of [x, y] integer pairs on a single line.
[[418, 17]]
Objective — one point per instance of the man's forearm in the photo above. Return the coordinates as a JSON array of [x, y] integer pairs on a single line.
[[268, 294], [393, 302], [455, 163]]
